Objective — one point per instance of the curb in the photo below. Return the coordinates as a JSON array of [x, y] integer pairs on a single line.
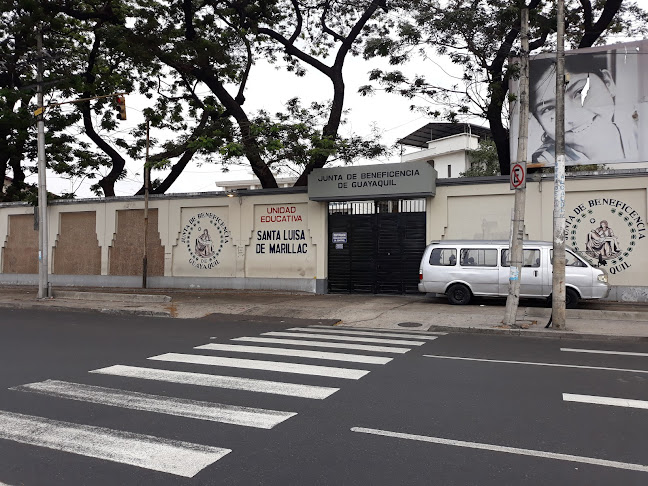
[[111, 297], [60, 308], [541, 334]]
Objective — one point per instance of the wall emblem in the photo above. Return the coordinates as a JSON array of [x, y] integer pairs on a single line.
[[204, 237], [606, 232]]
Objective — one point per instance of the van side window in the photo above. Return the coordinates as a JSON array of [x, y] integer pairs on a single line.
[[530, 258], [443, 256], [571, 260], [479, 257]]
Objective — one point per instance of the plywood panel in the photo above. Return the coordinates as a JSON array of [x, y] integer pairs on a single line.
[[127, 251], [20, 254]]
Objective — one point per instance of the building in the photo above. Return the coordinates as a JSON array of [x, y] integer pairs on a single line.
[[252, 183], [7, 182], [445, 146]]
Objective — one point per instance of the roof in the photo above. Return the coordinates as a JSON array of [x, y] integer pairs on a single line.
[[434, 131], [489, 242]]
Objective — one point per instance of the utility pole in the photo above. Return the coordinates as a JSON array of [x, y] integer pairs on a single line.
[[147, 181], [558, 279], [43, 257], [517, 228]]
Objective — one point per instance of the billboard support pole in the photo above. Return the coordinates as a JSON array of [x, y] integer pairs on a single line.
[[517, 228], [558, 279]]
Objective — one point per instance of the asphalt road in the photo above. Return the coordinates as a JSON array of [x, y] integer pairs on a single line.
[[424, 417]]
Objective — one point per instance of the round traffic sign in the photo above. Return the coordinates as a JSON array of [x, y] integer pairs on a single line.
[[517, 175]]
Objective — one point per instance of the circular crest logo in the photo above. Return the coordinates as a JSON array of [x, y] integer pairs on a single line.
[[204, 237], [605, 232]]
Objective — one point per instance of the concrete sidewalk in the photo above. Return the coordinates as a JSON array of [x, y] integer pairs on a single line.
[[601, 319]]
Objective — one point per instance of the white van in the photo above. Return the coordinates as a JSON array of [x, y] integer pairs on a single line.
[[463, 268]]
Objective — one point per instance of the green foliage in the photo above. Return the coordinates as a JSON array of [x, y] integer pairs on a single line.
[[480, 37], [484, 161]]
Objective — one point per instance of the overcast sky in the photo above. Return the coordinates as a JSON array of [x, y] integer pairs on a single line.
[[269, 88]]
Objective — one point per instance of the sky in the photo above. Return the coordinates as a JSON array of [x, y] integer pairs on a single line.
[[270, 89]]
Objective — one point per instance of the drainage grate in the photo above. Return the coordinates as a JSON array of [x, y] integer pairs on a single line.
[[409, 324]]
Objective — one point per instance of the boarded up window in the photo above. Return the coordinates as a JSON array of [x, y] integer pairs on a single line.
[[77, 250], [127, 252], [20, 254]]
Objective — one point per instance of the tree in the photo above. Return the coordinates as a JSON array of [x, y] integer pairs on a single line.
[[215, 44], [484, 161], [480, 36]]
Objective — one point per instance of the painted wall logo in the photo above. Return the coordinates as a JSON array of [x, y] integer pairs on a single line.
[[204, 237], [605, 231]]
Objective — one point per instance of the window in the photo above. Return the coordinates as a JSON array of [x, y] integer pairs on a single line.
[[571, 260], [478, 257], [449, 170], [530, 258], [443, 256]]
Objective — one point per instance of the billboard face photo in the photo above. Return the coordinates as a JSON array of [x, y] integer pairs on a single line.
[[606, 106]]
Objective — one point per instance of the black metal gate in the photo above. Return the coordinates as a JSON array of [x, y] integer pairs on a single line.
[[375, 246]]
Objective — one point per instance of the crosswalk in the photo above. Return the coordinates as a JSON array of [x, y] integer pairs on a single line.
[[346, 355]]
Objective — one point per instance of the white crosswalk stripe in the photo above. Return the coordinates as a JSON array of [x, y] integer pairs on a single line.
[[353, 358], [377, 329], [216, 381], [214, 412], [372, 332], [324, 344], [145, 451], [254, 364], [309, 335], [365, 333]]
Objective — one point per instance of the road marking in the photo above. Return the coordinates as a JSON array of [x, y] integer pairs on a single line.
[[615, 402], [255, 364], [216, 381], [214, 412], [145, 451], [596, 351], [364, 333], [343, 338], [556, 365], [391, 331], [508, 450], [322, 344], [353, 358]]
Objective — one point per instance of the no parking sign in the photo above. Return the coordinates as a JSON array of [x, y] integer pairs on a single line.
[[518, 175]]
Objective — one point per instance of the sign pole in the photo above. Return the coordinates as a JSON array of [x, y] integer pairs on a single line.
[[518, 180], [558, 278]]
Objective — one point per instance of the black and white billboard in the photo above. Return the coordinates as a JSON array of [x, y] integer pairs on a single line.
[[606, 106]]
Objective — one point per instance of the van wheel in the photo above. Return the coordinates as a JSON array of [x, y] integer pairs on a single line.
[[459, 294], [571, 298]]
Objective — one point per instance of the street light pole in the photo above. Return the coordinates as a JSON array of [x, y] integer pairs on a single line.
[[43, 254], [558, 279], [147, 182]]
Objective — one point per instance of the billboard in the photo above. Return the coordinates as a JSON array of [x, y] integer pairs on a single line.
[[606, 106]]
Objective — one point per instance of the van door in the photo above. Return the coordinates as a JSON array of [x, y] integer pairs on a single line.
[[479, 268], [531, 276]]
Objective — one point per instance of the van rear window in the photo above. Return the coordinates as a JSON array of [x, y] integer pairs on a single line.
[[479, 257], [443, 257]]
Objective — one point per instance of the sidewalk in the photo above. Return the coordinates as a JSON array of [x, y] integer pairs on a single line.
[[612, 320]]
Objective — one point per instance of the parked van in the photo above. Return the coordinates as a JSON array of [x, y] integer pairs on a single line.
[[463, 268]]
